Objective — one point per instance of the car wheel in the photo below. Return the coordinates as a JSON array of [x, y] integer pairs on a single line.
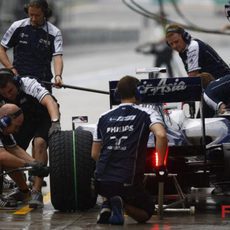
[[86, 193], [71, 170], [61, 171]]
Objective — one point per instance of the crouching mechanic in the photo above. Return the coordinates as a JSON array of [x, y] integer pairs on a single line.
[[41, 119], [12, 156], [217, 95], [119, 147]]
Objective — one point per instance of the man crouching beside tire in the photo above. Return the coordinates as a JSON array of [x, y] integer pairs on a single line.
[[119, 147], [12, 156]]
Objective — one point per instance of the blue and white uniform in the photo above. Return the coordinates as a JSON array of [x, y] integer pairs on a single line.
[[33, 47], [36, 117], [218, 92], [124, 132], [199, 56]]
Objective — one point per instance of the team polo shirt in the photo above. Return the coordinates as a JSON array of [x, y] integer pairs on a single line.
[[124, 133], [33, 47], [199, 56], [30, 94], [218, 92]]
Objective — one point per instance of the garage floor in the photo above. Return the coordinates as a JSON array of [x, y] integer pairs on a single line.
[[207, 216]]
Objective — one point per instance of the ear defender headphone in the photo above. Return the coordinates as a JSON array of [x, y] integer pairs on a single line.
[[177, 29], [6, 120], [41, 4]]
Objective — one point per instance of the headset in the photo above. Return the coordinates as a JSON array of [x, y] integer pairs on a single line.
[[41, 4], [177, 29], [6, 120]]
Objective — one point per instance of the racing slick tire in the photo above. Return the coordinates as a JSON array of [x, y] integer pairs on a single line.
[[71, 171]]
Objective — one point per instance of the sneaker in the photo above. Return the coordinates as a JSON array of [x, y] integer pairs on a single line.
[[36, 200], [7, 203], [8, 184], [105, 213], [19, 195], [117, 215]]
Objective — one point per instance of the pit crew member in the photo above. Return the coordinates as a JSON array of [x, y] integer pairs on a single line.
[[35, 42], [119, 147], [12, 156], [41, 117]]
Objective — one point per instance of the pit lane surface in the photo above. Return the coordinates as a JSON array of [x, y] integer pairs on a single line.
[[92, 66]]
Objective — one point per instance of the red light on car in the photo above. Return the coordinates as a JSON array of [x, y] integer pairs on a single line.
[[156, 159]]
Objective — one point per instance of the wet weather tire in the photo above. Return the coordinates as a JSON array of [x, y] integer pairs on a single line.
[[85, 166], [61, 171], [71, 170]]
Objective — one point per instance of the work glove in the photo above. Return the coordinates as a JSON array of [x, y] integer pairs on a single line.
[[55, 127], [38, 169], [161, 173]]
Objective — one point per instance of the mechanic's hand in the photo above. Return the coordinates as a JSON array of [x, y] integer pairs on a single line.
[[222, 109], [13, 69], [161, 172], [58, 81], [55, 127], [38, 169]]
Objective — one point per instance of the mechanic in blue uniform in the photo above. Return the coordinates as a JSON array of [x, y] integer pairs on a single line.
[[41, 116], [35, 42], [119, 147], [11, 155], [196, 55], [217, 97], [217, 94]]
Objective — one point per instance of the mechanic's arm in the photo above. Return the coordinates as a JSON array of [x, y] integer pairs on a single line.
[[51, 106], [14, 156], [96, 150], [193, 74], [5, 61], [161, 141], [58, 69]]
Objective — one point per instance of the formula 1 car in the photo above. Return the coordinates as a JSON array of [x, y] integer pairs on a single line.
[[199, 149]]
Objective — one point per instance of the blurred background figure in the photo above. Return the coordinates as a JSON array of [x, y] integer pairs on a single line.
[[156, 43], [158, 47]]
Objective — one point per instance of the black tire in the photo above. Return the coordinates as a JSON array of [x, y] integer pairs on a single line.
[[61, 171], [86, 195], [71, 170]]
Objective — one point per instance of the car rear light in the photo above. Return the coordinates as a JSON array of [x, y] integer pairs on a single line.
[[155, 159]]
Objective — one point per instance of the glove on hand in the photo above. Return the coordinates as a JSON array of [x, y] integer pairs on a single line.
[[161, 172], [55, 127], [38, 169]]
